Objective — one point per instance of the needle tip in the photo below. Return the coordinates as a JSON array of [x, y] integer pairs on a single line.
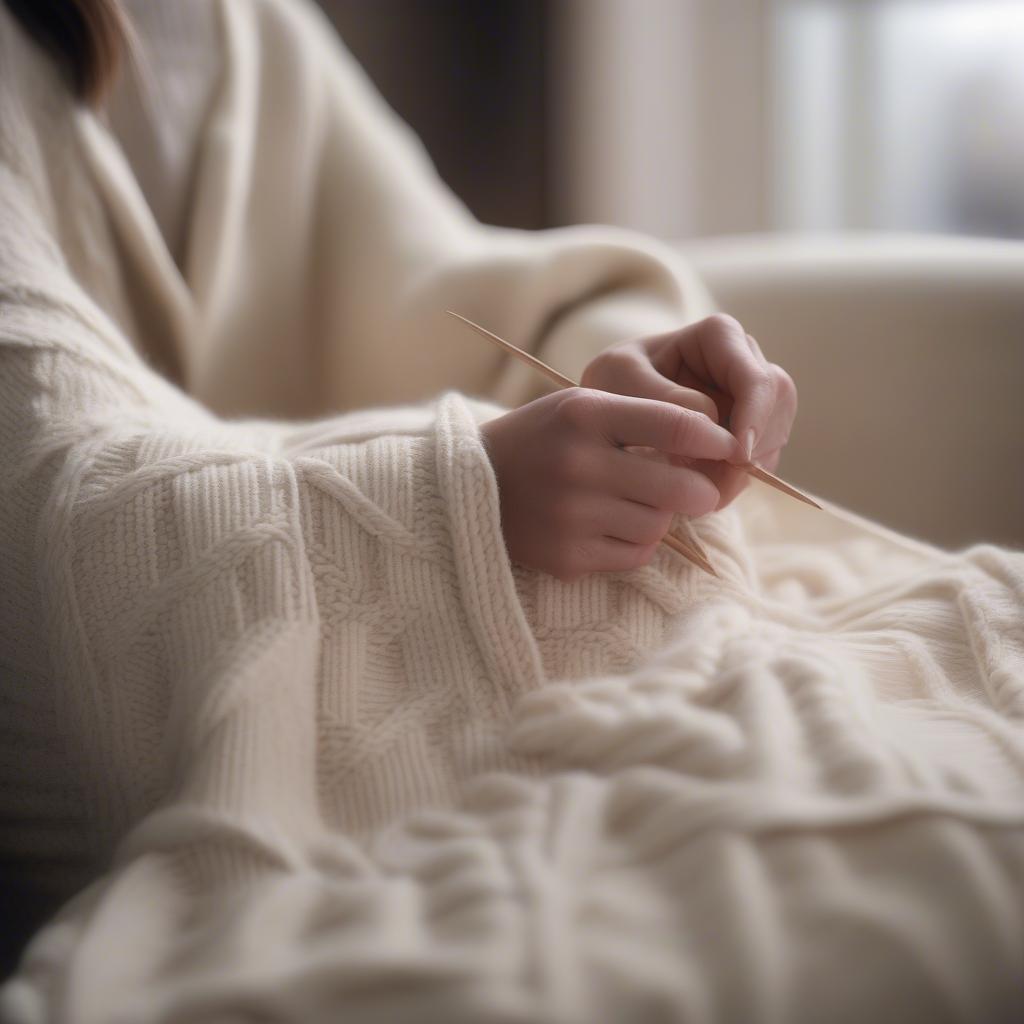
[[780, 485]]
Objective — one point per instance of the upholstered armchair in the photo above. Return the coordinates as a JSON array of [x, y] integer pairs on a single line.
[[909, 356]]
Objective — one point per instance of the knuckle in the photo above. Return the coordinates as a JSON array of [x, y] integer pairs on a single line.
[[620, 357], [758, 377], [784, 384], [625, 375], [580, 407], [596, 371], [723, 324]]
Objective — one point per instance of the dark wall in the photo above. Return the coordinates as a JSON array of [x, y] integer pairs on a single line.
[[469, 76]]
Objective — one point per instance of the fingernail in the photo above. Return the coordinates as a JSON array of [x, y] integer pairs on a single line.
[[748, 443]]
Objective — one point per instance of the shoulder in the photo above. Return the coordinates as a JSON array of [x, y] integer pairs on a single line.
[[295, 51], [289, 46]]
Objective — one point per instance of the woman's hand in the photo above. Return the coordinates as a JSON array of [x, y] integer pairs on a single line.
[[574, 501], [716, 368]]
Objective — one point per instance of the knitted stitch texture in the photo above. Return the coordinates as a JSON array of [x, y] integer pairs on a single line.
[[274, 690]]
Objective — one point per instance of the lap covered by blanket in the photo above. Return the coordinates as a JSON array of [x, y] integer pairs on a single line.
[[447, 789]]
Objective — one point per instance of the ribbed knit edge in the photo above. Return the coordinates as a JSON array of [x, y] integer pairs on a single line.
[[470, 490]]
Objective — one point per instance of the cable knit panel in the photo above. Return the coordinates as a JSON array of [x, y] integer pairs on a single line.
[[424, 645]]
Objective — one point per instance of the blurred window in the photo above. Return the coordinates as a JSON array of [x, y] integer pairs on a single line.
[[900, 115]]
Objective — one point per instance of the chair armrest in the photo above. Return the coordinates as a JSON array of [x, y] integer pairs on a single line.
[[908, 353]]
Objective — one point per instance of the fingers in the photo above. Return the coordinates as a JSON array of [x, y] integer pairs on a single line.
[[730, 481], [681, 489], [574, 499], [735, 365], [713, 367], [625, 520], [600, 533], [640, 421], [628, 370], [718, 354], [602, 554], [756, 349], [780, 423]]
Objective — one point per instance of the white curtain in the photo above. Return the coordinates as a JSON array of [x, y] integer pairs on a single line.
[[698, 117], [661, 113]]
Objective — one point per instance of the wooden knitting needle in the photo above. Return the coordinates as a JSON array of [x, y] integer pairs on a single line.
[[780, 485], [697, 555], [549, 371], [566, 382]]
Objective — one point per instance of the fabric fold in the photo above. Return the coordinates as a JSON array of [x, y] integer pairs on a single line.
[[485, 576]]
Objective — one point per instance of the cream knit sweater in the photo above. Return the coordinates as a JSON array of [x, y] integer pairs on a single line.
[[330, 755]]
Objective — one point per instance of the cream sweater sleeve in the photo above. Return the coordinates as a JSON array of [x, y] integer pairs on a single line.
[[565, 294], [345, 223]]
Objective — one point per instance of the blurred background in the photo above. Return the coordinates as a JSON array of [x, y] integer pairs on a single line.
[[689, 118]]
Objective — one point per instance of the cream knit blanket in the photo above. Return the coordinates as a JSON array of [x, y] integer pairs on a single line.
[[329, 754], [406, 786]]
